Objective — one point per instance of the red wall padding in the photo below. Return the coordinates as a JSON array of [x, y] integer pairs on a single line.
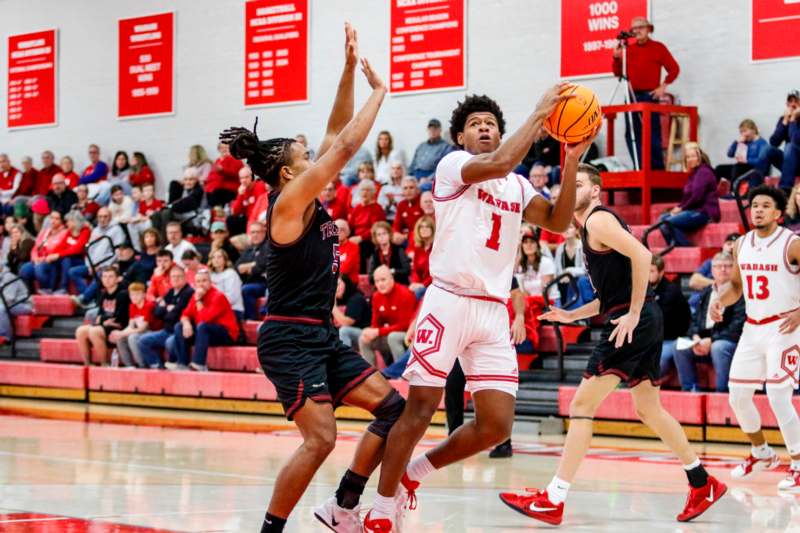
[[686, 408], [35, 374]]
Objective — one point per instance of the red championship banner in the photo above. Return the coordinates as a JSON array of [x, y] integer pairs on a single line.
[[146, 73], [276, 52], [428, 45], [589, 30], [32, 61], [774, 22]]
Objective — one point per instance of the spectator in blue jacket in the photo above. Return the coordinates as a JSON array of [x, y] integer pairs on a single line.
[[787, 130], [97, 169], [429, 153], [751, 152]]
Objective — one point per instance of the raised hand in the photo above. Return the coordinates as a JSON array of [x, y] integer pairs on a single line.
[[576, 150], [551, 98], [350, 46], [374, 80]]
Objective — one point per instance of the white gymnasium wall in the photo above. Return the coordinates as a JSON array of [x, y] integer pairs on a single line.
[[512, 53]]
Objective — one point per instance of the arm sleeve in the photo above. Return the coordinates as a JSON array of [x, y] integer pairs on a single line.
[[780, 134], [671, 66], [696, 193], [375, 314], [413, 165], [160, 311], [403, 268], [732, 149], [448, 173], [122, 311], [794, 132], [733, 329], [99, 171], [616, 66], [191, 311], [760, 153]]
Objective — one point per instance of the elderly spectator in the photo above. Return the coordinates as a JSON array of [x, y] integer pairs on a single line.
[[385, 155], [85, 205], [408, 211], [539, 180], [674, 306], [646, 58], [363, 217], [220, 240], [751, 152], [349, 174], [140, 320], [200, 162], [246, 197], [227, 280], [121, 206], [46, 174], [120, 172], [113, 307], [787, 130], [59, 197], [702, 278], [429, 153], [700, 202], [335, 207], [569, 260], [68, 169], [19, 249], [717, 339], [141, 173], [185, 199], [386, 253], [422, 241], [175, 241], [393, 307], [10, 178], [349, 253], [159, 284], [207, 321], [351, 313], [223, 180], [392, 192], [97, 169], [252, 268], [43, 265], [15, 294], [100, 252], [168, 310], [426, 204], [30, 176]]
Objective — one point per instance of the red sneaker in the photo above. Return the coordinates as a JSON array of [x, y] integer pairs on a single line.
[[536, 505], [702, 498], [411, 491], [378, 525]]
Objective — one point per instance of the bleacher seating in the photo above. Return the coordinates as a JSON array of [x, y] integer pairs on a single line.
[[52, 305]]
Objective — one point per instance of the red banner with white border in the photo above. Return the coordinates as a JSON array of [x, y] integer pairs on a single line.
[[146, 66], [774, 22], [589, 30], [276, 52], [32, 71], [428, 45]]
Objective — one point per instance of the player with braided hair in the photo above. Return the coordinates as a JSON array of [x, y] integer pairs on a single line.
[[298, 347]]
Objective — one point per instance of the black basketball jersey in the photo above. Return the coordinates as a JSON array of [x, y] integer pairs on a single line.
[[302, 276], [609, 271]]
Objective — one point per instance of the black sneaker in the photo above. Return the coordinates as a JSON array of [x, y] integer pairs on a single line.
[[502, 451]]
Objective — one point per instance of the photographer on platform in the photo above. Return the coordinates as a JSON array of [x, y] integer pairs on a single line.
[[645, 59]]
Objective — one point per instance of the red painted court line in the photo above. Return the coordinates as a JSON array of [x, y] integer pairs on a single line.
[[46, 523]]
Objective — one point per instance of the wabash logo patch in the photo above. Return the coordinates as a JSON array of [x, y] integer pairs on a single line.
[[789, 361], [428, 337]]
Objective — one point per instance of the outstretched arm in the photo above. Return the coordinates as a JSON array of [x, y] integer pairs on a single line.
[[499, 163], [342, 111]]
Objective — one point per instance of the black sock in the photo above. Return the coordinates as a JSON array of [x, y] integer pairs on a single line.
[[698, 477], [272, 524], [350, 490]]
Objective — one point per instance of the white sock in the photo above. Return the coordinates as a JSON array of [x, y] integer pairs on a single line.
[[383, 507], [419, 468], [557, 490], [691, 466], [761, 452]]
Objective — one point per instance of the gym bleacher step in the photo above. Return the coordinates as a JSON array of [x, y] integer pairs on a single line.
[[60, 328], [570, 363], [27, 349]]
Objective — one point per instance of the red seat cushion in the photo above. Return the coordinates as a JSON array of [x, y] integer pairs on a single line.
[[53, 305]]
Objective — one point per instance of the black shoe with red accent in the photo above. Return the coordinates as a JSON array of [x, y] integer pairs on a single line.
[[536, 505], [700, 499]]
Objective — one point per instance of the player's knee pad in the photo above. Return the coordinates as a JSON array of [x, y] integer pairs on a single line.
[[386, 414], [780, 400], [741, 401]]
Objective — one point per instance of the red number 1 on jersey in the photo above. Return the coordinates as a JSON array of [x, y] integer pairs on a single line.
[[493, 241], [763, 288]]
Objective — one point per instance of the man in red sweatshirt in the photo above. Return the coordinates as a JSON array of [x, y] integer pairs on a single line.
[[408, 211], [349, 254], [223, 179], [159, 283], [46, 173], [242, 207], [207, 321], [393, 307], [361, 219]]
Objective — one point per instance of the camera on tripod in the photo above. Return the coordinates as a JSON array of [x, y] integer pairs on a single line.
[[625, 35]]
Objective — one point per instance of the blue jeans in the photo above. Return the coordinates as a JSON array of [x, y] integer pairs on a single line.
[[656, 154], [66, 264], [251, 292], [46, 274], [791, 165], [667, 356], [721, 356], [152, 344], [28, 272], [396, 369], [77, 275], [585, 293], [205, 335], [685, 221]]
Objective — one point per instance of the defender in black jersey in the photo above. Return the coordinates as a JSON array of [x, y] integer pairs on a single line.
[[629, 351], [298, 347]]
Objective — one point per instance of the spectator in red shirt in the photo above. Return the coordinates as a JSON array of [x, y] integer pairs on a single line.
[[362, 218], [70, 251], [349, 253], [140, 319], [242, 207], [44, 259], [68, 169], [335, 207], [393, 308], [159, 282], [10, 178], [223, 180], [30, 175], [646, 58], [46, 173], [87, 207], [408, 211], [141, 174], [207, 321], [421, 252]]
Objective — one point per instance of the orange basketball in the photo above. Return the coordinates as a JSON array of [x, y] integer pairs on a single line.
[[576, 118]]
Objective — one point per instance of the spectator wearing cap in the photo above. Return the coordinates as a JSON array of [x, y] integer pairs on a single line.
[[787, 131], [674, 306], [429, 153], [46, 174], [349, 253], [246, 197], [252, 267], [105, 237], [59, 197], [140, 320], [113, 307], [388, 254], [44, 260], [207, 321], [97, 169], [646, 59], [393, 307], [220, 240], [168, 310], [700, 202], [30, 176], [10, 179], [175, 241], [702, 277], [408, 211], [159, 284], [223, 180], [225, 278]]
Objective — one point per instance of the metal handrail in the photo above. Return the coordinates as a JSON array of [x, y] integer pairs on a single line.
[[13, 339], [651, 229], [738, 196], [92, 264], [573, 283]]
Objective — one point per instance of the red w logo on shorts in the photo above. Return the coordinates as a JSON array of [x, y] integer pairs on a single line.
[[424, 336], [792, 359]]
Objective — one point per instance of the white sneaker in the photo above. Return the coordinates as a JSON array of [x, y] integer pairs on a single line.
[[169, 365], [752, 465], [337, 518], [791, 483]]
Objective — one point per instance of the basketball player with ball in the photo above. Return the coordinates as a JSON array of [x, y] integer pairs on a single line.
[[629, 350], [479, 205]]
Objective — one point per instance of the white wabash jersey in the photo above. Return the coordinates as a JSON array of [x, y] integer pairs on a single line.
[[770, 283], [477, 229]]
